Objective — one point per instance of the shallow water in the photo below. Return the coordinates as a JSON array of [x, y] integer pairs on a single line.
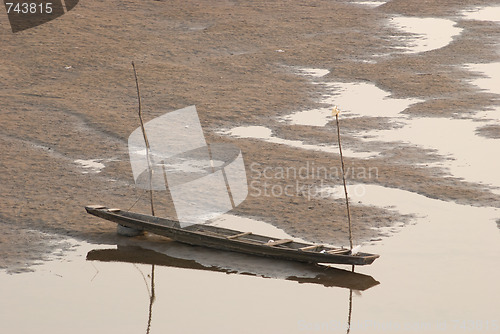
[[93, 165], [490, 82], [354, 99], [264, 133], [427, 34], [491, 13], [443, 265], [370, 3], [465, 154], [469, 156]]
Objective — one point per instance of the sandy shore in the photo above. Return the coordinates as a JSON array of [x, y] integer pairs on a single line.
[[68, 93]]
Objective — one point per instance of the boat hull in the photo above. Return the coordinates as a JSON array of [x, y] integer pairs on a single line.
[[220, 238]]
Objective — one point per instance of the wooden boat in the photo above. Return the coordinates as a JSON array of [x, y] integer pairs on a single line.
[[169, 153], [232, 240]]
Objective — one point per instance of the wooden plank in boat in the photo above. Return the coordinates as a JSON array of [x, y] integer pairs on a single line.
[[114, 210], [309, 247], [96, 207], [239, 235], [279, 242], [338, 251]]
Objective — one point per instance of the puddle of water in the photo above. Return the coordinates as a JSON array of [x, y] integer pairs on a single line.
[[491, 13], [312, 117], [490, 116], [92, 165], [366, 99], [491, 80], [312, 72], [263, 133], [257, 132], [370, 3], [353, 99], [428, 33], [491, 72], [23, 249], [472, 156]]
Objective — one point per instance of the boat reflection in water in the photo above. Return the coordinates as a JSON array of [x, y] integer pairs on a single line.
[[177, 255], [190, 257]]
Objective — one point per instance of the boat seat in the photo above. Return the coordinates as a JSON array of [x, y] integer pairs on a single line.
[[309, 247], [339, 251], [96, 207], [235, 236], [113, 210], [279, 242]]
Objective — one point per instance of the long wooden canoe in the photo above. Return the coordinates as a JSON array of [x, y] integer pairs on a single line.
[[232, 240]]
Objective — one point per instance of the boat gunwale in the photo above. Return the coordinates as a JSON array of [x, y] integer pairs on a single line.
[[273, 251], [215, 229]]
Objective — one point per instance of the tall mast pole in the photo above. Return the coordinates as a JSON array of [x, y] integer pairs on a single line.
[[148, 158], [336, 112]]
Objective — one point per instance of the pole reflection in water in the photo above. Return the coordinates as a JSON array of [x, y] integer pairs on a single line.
[[151, 298], [350, 309], [151, 293]]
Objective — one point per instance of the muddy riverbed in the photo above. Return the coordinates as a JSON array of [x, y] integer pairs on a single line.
[[417, 85]]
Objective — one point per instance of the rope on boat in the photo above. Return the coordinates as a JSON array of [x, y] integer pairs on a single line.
[[137, 200]]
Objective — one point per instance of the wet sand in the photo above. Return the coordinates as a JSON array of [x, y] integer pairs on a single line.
[[68, 94]]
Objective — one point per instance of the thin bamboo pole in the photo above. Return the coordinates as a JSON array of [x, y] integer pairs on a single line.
[[148, 158], [336, 112]]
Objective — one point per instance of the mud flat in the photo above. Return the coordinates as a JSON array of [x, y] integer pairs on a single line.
[[420, 125], [68, 106]]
